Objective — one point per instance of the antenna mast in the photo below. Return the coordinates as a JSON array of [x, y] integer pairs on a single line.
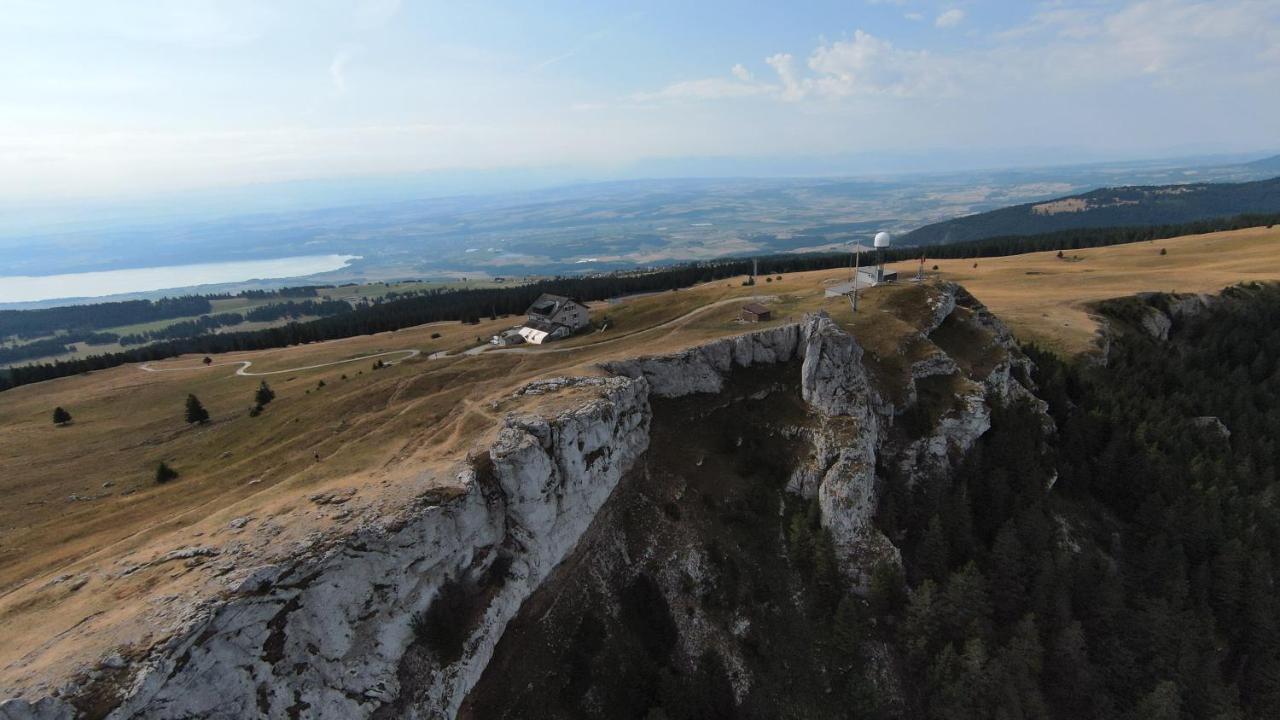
[[857, 266]]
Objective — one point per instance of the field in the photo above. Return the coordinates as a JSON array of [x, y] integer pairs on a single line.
[[1045, 298], [85, 529]]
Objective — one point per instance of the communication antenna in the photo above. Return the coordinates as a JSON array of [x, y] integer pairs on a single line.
[[755, 271], [881, 242], [857, 266]]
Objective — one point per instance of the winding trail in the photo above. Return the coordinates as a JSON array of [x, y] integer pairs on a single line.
[[245, 364]]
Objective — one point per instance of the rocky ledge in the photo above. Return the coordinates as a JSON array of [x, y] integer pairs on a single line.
[[350, 628]]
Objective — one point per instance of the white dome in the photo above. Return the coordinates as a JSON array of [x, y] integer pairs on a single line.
[[882, 239]]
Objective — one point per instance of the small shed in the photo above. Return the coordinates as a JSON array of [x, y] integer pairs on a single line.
[[754, 312]]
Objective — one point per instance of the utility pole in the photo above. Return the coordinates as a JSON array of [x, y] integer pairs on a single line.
[[857, 266]]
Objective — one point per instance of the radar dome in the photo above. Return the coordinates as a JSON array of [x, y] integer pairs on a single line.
[[882, 239]]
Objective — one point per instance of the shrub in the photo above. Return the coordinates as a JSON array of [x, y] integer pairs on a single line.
[[255, 411], [164, 473], [264, 394], [435, 336], [61, 416]]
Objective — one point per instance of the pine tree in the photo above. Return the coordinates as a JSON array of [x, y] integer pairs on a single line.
[[887, 594], [195, 411], [826, 571], [264, 394], [933, 553], [61, 416], [164, 473]]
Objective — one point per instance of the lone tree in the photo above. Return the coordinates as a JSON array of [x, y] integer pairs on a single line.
[[164, 473], [265, 394], [207, 360], [60, 416], [195, 411]]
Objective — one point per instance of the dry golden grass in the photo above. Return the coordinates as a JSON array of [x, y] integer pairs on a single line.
[[395, 432], [1044, 299]]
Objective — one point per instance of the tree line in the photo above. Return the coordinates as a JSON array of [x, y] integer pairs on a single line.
[[57, 345], [1128, 567], [470, 305], [1135, 206], [210, 323], [45, 321]]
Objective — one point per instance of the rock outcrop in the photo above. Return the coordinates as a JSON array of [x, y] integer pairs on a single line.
[[331, 634], [702, 369], [323, 636]]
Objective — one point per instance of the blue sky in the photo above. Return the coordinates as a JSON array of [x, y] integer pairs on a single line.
[[103, 98]]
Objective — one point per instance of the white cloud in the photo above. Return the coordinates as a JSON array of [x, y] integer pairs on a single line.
[[860, 65], [785, 66], [1161, 43], [950, 18]]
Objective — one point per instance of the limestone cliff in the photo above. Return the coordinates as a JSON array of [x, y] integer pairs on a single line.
[[344, 630], [323, 637]]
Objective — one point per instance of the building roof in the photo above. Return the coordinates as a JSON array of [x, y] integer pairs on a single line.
[[755, 308], [548, 304], [533, 335]]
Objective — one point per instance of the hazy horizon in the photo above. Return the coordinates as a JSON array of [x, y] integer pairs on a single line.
[[113, 102]]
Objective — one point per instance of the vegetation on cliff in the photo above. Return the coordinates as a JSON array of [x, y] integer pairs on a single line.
[[1143, 584]]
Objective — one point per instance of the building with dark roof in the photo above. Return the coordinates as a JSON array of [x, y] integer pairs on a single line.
[[552, 317], [754, 312]]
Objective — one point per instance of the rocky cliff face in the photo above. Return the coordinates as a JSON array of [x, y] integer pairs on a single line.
[[324, 637], [334, 635]]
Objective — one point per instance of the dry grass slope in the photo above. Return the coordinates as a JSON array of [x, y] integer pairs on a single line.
[[82, 505]]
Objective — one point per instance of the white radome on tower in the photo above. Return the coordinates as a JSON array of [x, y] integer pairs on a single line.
[[882, 239]]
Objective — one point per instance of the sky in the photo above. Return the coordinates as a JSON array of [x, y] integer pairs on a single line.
[[120, 99]]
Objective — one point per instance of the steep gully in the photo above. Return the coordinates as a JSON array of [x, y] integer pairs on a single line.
[[403, 619]]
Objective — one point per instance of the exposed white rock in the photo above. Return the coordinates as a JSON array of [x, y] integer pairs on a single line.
[[43, 709], [702, 369], [832, 378], [323, 636], [941, 305]]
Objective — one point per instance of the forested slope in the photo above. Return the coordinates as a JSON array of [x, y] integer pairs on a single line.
[[1108, 207], [1143, 584]]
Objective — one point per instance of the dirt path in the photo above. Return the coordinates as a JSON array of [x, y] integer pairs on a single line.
[[245, 364]]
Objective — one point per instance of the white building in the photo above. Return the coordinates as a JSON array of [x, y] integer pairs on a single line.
[[552, 317]]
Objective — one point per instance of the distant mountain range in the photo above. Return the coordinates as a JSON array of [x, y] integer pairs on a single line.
[[1138, 205]]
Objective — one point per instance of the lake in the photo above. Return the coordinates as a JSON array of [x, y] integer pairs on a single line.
[[22, 288]]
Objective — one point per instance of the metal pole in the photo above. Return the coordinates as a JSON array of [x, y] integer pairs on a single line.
[[857, 254]]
